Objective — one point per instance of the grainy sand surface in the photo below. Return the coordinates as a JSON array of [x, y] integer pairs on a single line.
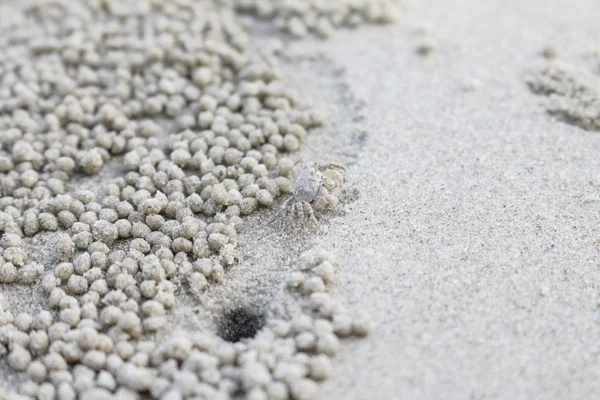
[[473, 243], [469, 228]]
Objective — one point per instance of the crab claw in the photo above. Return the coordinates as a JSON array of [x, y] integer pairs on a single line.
[[333, 181], [326, 201]]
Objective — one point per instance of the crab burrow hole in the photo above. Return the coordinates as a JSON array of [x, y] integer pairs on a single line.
[[240, 323]]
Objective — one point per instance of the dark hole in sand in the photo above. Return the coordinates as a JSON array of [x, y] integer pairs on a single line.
[[240, 323]]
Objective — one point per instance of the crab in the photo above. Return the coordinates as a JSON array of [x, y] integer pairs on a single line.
[[314, 190]]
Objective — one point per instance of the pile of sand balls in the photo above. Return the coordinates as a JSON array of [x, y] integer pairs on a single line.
[[187, 130], [103, 356], [322, 17], [573, 92]]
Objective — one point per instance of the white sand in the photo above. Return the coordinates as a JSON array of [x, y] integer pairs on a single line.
[[469, 232], [472, 206]]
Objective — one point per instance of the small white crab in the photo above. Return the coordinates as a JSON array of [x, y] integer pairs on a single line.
[[315, 190]]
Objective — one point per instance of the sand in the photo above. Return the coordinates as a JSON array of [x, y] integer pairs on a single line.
[[473, 243], [469, 228]]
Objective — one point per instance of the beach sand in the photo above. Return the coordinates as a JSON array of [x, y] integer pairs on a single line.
[[473, 243], [468, 230]]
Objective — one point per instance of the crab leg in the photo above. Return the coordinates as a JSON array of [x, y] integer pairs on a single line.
[[301, 212], [299, 162], [332, 165], [283, 207], [310, 214]]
